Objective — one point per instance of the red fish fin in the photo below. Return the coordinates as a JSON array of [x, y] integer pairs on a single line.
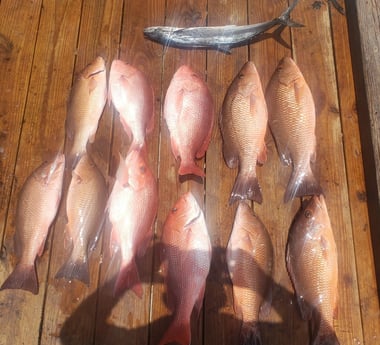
[[75, 268], [23, 277], [285, 156], [42, 247], [301, 184], [179, 333], [128, 278], [126, 127], [246, 187], [262, 156], [230, 156], [190, 168], [202, 150]]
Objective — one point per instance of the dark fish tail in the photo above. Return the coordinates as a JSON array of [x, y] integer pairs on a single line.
[[284, 18], [75, 268], [23, 277], [321, 332], [179, 333], [246, 187], [250, 335]]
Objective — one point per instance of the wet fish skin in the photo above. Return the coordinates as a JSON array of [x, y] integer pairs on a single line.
[[312, 263], [291, 117], [132, 208], [87, 99], [243, 123], [250, 261], [37, 207], [186, 244], [132, 95], [222, 38], [189, 115], [85, 206]]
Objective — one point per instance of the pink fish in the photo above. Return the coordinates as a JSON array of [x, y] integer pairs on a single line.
[[85, 204], [132, 208], [87, 100], [189, 115], [36, 209], [133, 97], [186, 257]]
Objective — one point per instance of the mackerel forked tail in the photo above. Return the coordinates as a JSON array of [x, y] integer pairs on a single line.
[[284, 18]]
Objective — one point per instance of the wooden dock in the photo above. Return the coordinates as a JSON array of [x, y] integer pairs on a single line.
[[44, 44]]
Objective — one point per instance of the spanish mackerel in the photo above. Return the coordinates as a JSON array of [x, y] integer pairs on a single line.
[[221, 38]]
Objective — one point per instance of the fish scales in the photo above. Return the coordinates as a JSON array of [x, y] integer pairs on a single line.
[[291, 117], [312, 263], [243, 124], [250, 262]]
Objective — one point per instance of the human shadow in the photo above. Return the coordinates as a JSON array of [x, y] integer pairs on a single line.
[[83, 327]]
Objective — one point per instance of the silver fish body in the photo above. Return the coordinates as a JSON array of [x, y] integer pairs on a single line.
[[221, 38]]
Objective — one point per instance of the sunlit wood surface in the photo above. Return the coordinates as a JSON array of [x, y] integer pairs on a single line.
[[44, 44]]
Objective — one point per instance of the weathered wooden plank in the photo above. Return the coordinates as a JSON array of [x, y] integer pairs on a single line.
[[73, 321], [284, 321], [363, 23], [42, 136], [313, 53], [369, 301], [170, 185], [18, 32], [221, 325]]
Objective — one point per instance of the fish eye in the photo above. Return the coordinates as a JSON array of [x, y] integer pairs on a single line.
[[308, 213], [174, 209], [142, 169], [241, 76]]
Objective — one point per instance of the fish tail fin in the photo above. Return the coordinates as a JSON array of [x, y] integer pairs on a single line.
[[75, 268], [177, 332], [23, 277], [128, 278], [246, 187], [190, 168], [284, 18], [250, 335], [302, 184]]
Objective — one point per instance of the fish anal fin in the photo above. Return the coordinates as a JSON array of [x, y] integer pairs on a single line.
[[305, 308], [267, 303], [23, 277]]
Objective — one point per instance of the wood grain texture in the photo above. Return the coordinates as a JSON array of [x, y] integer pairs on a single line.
[[44, 44]]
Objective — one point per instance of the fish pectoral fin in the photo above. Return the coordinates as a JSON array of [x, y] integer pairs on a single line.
[[262, 156], [267, 303], [175, 149], [231, 156], [305, 308]]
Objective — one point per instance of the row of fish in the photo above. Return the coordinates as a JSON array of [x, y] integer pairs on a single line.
[[288, 108], [133, 202], [311, 254]]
